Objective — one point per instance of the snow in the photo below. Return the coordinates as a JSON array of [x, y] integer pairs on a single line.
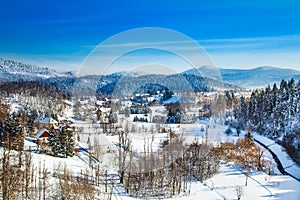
[[230, 176], [70, 103], [61, 118], [173, 99], [287, 163], [40, 133], [46, 120], [266, 141], [105, 110], [221, 186], [265, 186]]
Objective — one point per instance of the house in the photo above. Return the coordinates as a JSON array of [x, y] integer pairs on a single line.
[[45, 122], [42, 137], [103, 114], [61, 119]]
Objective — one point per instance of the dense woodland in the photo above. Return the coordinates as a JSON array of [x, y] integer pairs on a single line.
[[36, 99], [32, 88], [126, 85], [275, 113]]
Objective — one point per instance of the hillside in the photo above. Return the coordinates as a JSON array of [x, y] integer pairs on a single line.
[[14, 71], [123, 83], [248, 78]]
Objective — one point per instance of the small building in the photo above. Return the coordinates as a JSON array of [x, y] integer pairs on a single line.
[[45, 122], [61, 119], [42, 137]]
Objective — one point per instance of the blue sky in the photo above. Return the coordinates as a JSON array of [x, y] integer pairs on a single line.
[[236, 34]]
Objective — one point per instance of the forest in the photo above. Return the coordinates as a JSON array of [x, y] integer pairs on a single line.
[[273, 112]]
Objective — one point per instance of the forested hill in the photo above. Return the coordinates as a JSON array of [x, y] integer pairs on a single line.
[[68, 82], [248, 78], [32, 88], [127, 84], [274, 112]]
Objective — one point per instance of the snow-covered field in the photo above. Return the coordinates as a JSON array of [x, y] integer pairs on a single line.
[[230, 177], [221, 186]]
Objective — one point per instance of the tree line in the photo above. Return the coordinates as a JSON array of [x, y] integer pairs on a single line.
[[273, 112]]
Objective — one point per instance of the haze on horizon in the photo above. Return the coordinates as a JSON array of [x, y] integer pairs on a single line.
[[235, 34]]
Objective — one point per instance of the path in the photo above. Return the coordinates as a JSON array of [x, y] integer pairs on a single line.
[[277, 160]]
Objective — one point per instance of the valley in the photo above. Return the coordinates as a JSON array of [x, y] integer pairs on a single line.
[[118, 136]]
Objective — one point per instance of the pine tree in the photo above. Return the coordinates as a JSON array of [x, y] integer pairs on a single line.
[[66, 142], [13, 133], [31, 115], [62, 141], [274, 113], [291, 91], [69, 143], [241, 114], [53, 141]]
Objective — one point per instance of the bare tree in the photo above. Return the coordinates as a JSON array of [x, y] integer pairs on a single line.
[[27, 173], [239, 191], [124, 150], [11, 175]]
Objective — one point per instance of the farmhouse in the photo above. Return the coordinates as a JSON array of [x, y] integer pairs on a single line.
[[42, 137], [45, 122]]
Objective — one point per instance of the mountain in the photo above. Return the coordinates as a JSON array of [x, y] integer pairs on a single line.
[[248, 78], [257, 77], [120, 83], [205, 71], [15, 71]]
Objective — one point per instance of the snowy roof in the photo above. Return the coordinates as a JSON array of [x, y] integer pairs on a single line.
[[40, 133], [84, 102], [100, 102], [69, 102], [71, 120], [105, 110], [61, 118], [46, 120], [63, 126], [173, 99]]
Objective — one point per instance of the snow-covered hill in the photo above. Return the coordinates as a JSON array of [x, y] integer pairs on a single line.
[[14, 71], [249, 78], [11, 71]]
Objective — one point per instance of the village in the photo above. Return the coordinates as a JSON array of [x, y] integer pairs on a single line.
[[121, 145]]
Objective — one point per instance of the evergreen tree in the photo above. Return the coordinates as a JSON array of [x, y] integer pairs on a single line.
[[66, 142], [292, 101], [241, 114], [31, 116], [167, 94], [53, 141], [69, 143], [274, 113], [13, 133], [61, 142]]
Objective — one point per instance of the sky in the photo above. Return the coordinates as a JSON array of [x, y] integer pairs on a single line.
[[234, 34]]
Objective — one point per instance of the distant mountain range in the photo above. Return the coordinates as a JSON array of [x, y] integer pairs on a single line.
[[121, 83], [201, 79], [14, 71], [248, 78]]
